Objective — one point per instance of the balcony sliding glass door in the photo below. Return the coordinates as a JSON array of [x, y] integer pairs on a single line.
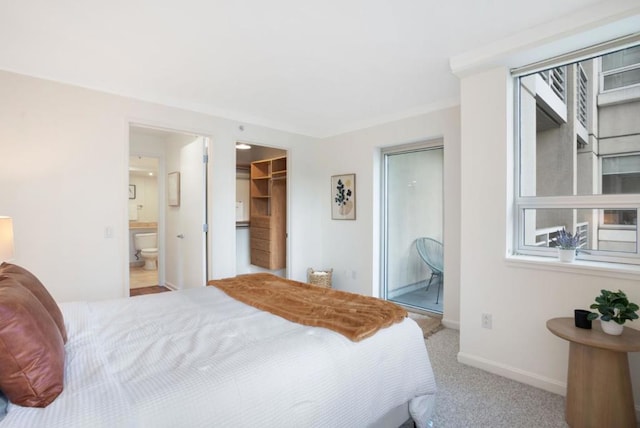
[[412, 209]]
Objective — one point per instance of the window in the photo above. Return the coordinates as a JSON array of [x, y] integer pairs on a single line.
[[621, 69], [578, 157], [621, 174]]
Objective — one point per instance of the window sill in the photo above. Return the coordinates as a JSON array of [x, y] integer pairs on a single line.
[[623, 94], [580, 267]]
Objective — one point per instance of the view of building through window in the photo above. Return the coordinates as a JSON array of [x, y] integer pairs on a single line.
[[620, 69], [579, 154]]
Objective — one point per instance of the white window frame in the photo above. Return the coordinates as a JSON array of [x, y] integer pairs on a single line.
[[600, 201], [575, 202]]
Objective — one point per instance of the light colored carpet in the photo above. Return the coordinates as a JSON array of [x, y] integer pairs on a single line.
[[470, 397], [428, 324]]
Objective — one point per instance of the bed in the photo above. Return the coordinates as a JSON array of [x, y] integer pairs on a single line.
[[200, 358]]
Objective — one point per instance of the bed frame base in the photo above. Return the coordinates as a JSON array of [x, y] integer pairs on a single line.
[[394, 417]]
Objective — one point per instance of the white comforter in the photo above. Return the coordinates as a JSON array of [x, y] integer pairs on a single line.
[[198, 358]]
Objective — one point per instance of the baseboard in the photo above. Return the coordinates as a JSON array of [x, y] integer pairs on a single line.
[[170, 286], [451, 324], [521, 376], [513, 373]]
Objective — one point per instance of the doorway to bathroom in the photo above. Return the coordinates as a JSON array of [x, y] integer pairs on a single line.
[[143, 221], [169, 210]]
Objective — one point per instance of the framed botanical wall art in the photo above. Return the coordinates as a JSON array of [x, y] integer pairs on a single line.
[[132, 191], [343, 197], [173, 186]]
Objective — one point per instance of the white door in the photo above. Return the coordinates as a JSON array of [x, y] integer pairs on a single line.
[[191, 234]]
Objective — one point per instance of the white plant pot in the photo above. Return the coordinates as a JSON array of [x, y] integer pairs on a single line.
[[612, 327], [566, 256]]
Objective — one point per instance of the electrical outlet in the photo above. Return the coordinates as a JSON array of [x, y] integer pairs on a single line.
[[486, 321]]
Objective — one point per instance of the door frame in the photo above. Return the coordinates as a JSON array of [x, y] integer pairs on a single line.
[[436, 143], [163, 127]]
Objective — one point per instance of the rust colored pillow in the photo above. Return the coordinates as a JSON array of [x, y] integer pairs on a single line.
[[31, 348], [33, 284]]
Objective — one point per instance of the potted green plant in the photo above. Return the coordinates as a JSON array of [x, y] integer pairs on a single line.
[[615, 309], [567, 245]]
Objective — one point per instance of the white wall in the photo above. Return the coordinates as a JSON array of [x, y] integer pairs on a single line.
[[352, 248], [146, 201], [520, 297], [50, 136], [243, 195]]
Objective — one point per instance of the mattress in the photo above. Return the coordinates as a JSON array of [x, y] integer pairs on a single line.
[[198, 358]]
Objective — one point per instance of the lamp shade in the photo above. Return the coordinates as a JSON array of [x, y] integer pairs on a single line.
[[6, 239]]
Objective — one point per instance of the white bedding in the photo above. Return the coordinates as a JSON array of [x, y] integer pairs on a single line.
[[198, 358]]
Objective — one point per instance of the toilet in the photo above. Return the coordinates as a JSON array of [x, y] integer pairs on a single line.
[[147, 245]]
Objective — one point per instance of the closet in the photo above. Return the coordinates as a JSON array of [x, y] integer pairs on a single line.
[[268, 219]]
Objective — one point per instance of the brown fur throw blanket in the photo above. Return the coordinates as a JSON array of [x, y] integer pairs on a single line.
[[353, 315]]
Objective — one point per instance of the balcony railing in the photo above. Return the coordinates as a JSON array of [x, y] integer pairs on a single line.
[[545, 237], [556, 79], [582, 95]]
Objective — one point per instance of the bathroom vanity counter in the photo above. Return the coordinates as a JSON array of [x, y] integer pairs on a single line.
[[143, 225]]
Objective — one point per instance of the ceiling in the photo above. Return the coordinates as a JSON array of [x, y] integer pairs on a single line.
[[143, 166], [317, 68]]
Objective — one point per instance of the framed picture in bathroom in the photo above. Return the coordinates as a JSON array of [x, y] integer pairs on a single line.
[[132, 191], [173, 186]]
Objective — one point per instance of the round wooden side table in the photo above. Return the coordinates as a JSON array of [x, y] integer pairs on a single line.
[[598, 382]]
